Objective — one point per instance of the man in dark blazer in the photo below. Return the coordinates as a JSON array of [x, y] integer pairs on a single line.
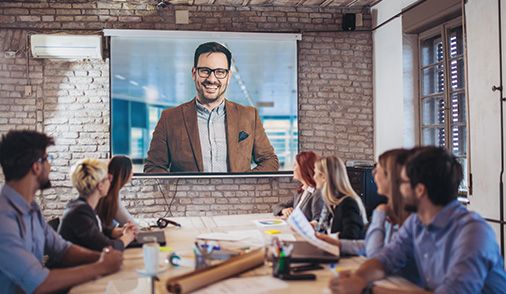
[[187, 138]]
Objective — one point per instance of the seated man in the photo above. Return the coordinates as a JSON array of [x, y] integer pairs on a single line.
[[24, 235], [454, 249]]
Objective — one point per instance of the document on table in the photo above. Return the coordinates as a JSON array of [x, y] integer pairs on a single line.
[[301, 225], [220, 236], [271, 222], [249, 285]]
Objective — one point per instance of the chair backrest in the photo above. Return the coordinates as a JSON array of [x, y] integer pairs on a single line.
[[54, 223]]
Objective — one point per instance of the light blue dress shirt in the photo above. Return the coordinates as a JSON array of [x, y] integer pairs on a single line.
[[379, 233], [25, 238], [456, 253], [213, 137]]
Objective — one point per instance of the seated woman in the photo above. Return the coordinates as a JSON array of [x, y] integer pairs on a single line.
[[307, 198], [109, 208], [343, 212], [80, 224], [386, 218]]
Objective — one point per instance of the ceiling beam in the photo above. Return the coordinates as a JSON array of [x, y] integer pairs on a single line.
[[211, 2], [245, 2], [352, 3], [301, 3], [326, 3]]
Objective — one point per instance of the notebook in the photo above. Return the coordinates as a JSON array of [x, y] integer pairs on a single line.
[[306, 252], [141, 238]]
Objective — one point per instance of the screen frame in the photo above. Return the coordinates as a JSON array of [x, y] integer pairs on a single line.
[[108, 33]]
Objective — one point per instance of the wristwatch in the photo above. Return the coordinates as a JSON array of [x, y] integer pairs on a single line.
[[368, 289]]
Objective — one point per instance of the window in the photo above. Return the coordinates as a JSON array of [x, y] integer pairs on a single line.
[[442, 90]]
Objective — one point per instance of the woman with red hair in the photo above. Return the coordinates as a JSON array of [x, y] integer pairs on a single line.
[[307, 198]]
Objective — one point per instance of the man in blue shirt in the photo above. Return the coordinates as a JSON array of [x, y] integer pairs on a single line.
[[24, 235], [454, 249]]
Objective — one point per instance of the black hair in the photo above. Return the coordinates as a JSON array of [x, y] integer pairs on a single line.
[[438, 170], [19, 149], [212, 47]]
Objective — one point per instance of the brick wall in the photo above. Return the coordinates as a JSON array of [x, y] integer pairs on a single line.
[[70, 99]]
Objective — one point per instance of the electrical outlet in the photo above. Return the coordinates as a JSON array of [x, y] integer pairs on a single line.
[[28, 90], [10, 54]]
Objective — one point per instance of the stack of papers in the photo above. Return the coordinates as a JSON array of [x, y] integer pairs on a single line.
[[301, 225]]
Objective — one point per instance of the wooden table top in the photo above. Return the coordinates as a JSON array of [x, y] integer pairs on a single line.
[[181, 240]]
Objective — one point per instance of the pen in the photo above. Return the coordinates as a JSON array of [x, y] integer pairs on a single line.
[[197, 250], [298, 277]]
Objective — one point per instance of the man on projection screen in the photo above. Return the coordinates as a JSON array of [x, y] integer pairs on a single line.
[[210, 133]]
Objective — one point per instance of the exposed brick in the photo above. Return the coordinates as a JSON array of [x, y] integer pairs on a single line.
[[29, 18], [21, 11], [70, 99]]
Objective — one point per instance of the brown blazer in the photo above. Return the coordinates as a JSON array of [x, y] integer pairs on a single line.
[[175, 146]]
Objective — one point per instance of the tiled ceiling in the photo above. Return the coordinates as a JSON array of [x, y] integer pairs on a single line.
[[292, 3]]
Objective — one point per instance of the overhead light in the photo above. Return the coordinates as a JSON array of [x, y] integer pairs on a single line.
[[134, 83], [151, 93], [120, 77]]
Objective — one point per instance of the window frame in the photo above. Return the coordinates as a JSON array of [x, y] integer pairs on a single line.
[[447, 94]]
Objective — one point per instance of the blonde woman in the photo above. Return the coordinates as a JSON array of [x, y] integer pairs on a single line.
[[80, 223], [386, 218], [343, 212]]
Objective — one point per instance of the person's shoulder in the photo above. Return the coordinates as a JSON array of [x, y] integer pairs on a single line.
[[464, 216], [242, 108], [471, 225], [8, 216], [178, 109], [348, 201], [77, 208], [5, 207]]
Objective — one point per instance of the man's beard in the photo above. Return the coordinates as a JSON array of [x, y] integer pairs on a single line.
[[45, 185], [220, 91], [412, 208]]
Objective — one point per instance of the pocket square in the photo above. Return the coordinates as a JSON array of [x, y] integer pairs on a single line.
[[243, 135]]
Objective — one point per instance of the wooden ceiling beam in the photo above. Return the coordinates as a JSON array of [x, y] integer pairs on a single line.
[[326, 3], [352, 3]]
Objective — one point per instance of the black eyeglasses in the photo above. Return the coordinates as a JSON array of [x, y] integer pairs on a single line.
[[47, 157], [219, 73]]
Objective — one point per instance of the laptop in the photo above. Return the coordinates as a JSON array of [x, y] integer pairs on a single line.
[[144, 236], [305, 252]]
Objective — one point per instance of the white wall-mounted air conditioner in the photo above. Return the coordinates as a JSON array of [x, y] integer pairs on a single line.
[[66, 46]]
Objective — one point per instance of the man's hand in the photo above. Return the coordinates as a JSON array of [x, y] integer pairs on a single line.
[[328, 239], [285, 213], [110, 261], [347, 283]]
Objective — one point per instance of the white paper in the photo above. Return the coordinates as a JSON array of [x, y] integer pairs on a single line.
[[227, 236], [129, 286], [301, 225], [249, 285], [285, 237]]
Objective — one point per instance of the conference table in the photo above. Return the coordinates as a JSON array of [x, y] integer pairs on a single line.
[[181, 241]]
